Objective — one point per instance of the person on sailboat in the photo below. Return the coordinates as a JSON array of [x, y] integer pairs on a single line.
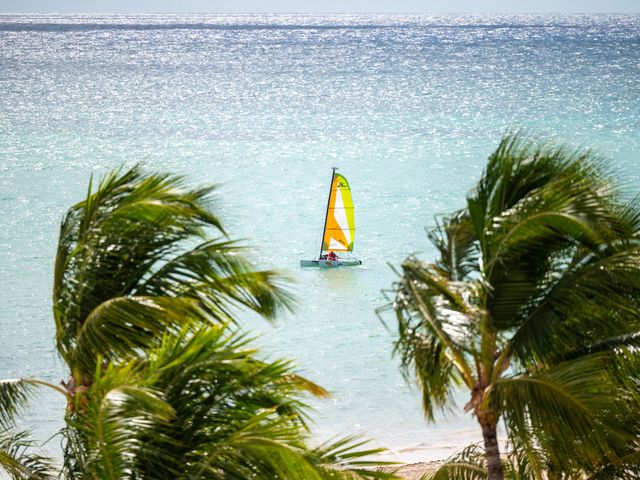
[[332, 256]]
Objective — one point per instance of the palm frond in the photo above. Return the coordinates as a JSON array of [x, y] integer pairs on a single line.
[[127, 326], [217, 275], [429, 343], [469, 464], [14, 396], [590, 302], [626, 467], [21, 460], [234, 413], [118, 410], [521, 166], [109, 242], [131, 240], [223, 397], [455, 240], [346, 454], [564, 406]]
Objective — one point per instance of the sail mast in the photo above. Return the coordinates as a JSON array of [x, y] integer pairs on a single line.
[[326, 215]]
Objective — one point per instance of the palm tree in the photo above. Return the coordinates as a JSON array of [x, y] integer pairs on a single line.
[[532, 305], [135, 259], [162, 383]]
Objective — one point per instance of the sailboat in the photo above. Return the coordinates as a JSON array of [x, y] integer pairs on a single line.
[[339, 227]]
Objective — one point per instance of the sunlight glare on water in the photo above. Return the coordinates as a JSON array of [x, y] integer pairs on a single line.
[[409, 107]]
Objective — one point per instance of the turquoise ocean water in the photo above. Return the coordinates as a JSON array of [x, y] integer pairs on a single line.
[[408, 107]]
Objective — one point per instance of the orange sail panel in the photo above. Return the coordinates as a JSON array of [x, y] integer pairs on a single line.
[[340, 230]]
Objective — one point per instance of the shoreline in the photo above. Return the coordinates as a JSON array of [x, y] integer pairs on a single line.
[[412, 471], [413, 461]]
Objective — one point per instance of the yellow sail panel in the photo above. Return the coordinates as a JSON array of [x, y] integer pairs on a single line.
[[340, 230]]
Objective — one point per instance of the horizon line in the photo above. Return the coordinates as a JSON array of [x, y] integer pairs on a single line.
[[315, 13]]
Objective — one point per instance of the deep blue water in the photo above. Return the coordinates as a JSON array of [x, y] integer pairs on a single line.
[[408, 106]]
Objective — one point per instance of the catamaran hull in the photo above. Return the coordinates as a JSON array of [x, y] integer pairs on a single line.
[[330, 263]]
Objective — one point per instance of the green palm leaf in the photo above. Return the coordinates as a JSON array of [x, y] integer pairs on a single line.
[[14, 396], [456, 243], [215, 274], [469, 464], [127, 326], [576, 308], [564, 405], [20, 459], [118, 409], [430, 344]]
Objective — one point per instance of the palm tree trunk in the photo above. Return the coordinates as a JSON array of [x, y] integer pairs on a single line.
[[491, 450]]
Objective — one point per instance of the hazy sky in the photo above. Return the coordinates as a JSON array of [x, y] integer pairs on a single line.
[[323, 6]]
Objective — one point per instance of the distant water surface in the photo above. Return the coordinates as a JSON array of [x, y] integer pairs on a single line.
[[408, 106]]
